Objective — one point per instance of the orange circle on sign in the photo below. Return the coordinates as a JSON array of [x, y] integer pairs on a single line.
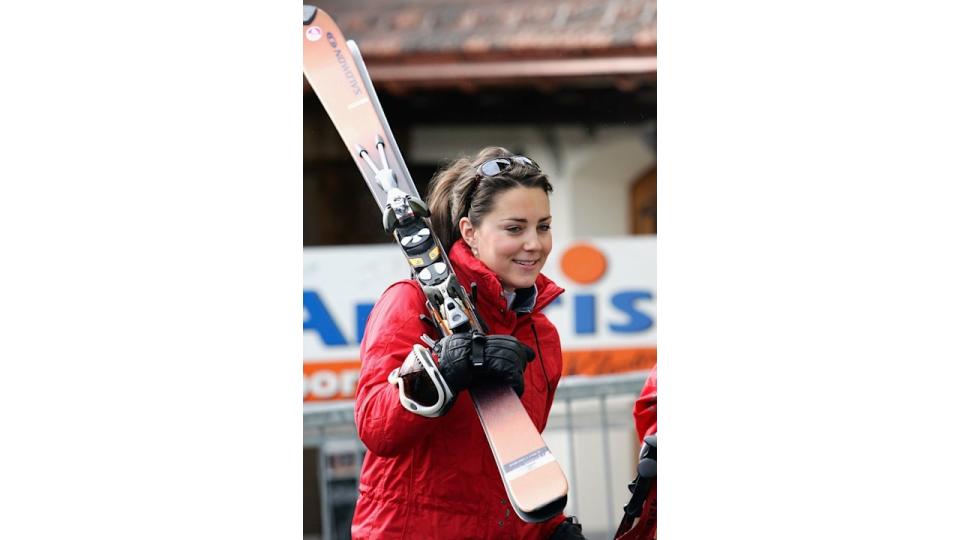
[[583, 263]]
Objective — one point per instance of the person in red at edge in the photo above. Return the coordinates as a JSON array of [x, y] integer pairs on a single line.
[[645, 408], [640, 523], [435, 477]]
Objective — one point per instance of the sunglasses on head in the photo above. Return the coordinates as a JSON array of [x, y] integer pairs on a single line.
[[496, 166]]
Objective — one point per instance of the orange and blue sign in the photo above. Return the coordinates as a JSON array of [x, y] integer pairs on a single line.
[[606, 318]]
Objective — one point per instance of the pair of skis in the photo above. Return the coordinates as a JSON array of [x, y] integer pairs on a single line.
[[534, 481]]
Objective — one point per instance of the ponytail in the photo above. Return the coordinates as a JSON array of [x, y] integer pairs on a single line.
[[445, 188]]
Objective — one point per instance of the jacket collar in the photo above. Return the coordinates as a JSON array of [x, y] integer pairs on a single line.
[[470, 269]]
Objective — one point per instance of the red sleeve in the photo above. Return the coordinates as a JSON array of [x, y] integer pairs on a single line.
[[394, 327], [645, 408]]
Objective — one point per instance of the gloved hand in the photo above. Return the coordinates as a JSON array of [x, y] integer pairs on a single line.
[[467, 359], [569, 529]]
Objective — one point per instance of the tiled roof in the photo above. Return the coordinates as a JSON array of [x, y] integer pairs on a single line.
[[408, 30]]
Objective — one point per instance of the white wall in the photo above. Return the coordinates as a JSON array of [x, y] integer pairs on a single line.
[[603, 172]]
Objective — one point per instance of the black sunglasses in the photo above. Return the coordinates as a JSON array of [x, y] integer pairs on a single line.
[[496, 166]]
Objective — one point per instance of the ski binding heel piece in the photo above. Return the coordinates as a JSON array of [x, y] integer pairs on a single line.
[[412, 379]]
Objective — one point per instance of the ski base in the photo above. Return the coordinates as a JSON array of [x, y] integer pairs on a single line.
[[533, 478]]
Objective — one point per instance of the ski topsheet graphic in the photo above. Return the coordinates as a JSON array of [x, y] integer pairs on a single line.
[[334, 71], [533, 479]]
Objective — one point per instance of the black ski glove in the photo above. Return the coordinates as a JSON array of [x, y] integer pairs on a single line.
[[468, 359], [569, 529]]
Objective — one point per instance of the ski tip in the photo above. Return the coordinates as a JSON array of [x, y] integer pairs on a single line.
[[309, 12], [543, 513]]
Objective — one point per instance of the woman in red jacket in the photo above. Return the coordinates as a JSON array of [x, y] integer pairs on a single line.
[[435, 477]]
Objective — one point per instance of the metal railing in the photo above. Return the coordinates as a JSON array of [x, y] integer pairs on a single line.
[[584, 409]]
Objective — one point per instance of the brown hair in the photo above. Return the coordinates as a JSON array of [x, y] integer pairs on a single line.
[[458, 191]]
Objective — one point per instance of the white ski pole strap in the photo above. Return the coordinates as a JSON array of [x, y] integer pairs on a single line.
[[421, 361]]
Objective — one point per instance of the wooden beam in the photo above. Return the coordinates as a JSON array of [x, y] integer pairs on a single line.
[[522, 69]]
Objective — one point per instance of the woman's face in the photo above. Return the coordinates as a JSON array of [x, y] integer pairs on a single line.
[[514, 239]]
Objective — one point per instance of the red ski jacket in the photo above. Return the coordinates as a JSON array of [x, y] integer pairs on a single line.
[[435, 478], [644, 526], [645, 408]]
